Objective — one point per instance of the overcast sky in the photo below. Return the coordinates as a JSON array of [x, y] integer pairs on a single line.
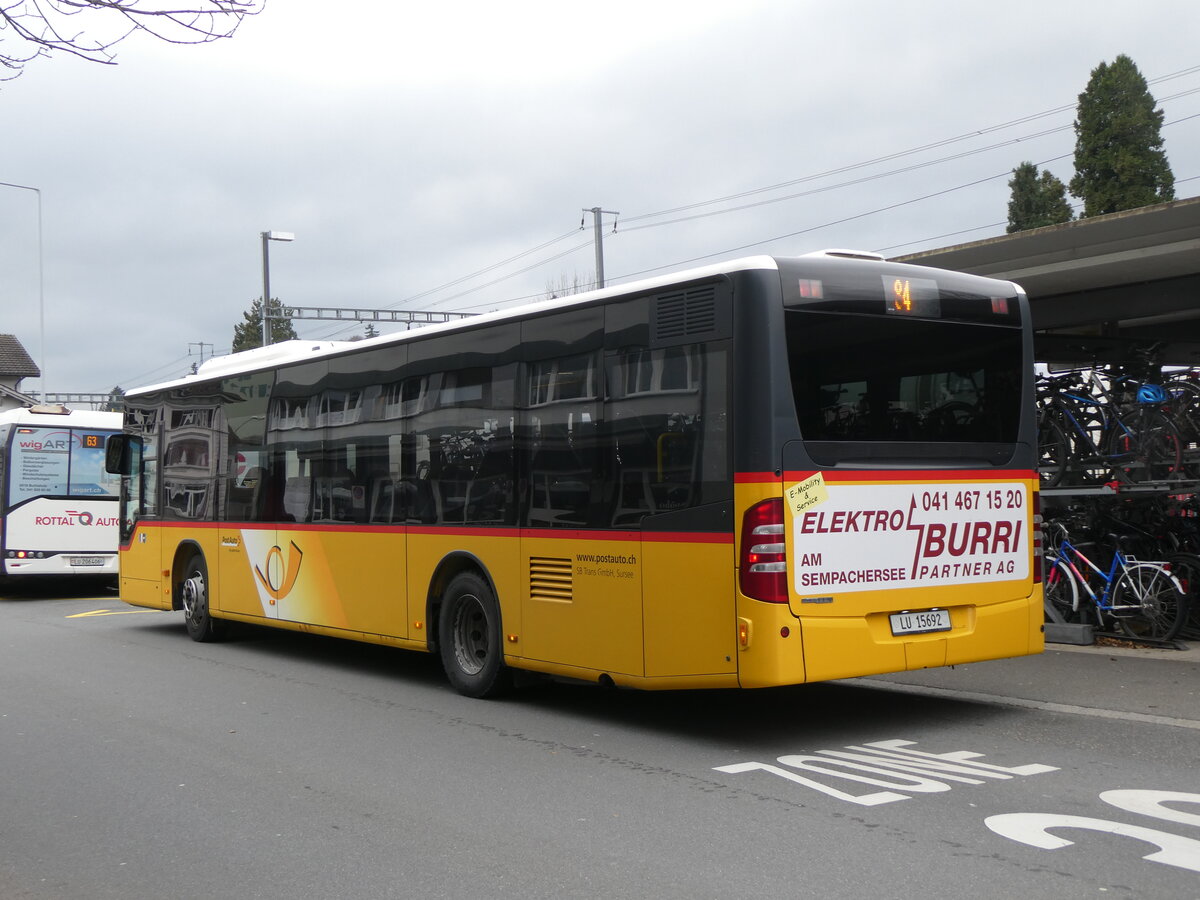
[[409, 146]]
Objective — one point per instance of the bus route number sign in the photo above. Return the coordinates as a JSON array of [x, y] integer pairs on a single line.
[[911, 297]]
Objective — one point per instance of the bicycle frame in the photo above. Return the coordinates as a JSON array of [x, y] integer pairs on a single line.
[[1122, 565], [1101, 401], [1068, 553]]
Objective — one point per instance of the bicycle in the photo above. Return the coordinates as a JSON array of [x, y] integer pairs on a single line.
[[1138, 598], [1081, 426]]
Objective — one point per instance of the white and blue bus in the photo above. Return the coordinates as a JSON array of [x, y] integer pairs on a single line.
[[59, 505]]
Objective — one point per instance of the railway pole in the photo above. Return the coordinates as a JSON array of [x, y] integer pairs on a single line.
[[597, 212], [267, 237]]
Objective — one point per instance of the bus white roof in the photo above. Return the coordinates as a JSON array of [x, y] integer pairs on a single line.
[[287, 352], [61, 416]]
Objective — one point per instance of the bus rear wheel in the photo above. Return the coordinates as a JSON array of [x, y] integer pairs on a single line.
[[469, 638], [193, 591]]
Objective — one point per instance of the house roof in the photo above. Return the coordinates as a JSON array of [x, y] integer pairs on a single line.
[[15, 362]]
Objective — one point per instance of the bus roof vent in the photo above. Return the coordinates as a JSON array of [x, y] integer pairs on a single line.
[[50, 409], [850, 254], [688, 313]]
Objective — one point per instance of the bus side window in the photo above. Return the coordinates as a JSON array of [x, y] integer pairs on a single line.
[[297, 498], [562, 428], [666, 416]]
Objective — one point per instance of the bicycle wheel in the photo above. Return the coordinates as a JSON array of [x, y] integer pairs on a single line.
[[1061, 591], [1145, 446], [1148, 603], [1054, 452], [1186, 569], [1185, 409]]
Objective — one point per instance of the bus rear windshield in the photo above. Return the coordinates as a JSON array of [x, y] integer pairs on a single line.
[[917, 387]]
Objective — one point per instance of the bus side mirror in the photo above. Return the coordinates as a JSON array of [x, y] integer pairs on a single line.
[[117, 454]]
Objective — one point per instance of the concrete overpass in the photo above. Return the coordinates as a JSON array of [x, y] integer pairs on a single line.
[[1100, 287]]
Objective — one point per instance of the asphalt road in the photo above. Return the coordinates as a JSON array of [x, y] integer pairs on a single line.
[[137, 764]]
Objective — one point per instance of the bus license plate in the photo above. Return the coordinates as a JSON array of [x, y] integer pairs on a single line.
[[920, 622], [87, 560]]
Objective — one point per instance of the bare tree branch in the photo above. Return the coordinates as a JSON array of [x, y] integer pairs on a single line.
[[91, 29]]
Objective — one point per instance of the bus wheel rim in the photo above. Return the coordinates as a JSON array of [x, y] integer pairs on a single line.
[[470, 634], [193, 596]]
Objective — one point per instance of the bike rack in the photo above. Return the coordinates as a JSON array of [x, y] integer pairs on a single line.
[[1058, 631], [1117, 489]]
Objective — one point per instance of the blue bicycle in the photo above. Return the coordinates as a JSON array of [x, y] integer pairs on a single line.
[[1084, 434], [1133, 597]]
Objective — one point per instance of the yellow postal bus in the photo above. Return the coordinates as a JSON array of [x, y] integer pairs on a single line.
[[765, 472]]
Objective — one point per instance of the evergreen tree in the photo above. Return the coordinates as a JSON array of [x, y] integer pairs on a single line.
[[1036, 201], [115, 401], [247, 334], [1119, 158]]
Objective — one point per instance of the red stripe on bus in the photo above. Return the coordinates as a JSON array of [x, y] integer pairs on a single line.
[[756, 477], [464, 531], [562, 534], [279, 526], [687, 537]]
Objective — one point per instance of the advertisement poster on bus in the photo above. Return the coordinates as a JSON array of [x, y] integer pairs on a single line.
[[862, 537], [57, 462]]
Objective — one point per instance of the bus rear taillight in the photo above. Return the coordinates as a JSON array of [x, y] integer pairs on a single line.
[[764, 553]]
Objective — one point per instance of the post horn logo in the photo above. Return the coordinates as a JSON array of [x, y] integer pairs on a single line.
[[281, 577]]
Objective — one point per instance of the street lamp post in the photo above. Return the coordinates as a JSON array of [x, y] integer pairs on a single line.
[[267, 237], [41, 282]]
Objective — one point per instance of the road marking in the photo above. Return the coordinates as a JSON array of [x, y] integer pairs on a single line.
[[889, 764], [1044, 705], [108, 612], [1173, 849]]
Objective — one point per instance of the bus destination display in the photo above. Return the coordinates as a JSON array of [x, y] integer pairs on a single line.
[[911, 297]]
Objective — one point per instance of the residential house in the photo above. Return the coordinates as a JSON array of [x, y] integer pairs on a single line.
[[15, 365]]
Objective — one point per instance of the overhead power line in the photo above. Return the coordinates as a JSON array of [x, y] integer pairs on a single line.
[[758, 191], [945, 142]]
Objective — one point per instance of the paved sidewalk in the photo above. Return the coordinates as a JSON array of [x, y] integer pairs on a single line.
[[1190, 653], [1138, 681]]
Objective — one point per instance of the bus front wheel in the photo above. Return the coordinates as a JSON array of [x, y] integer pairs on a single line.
[[193, 590], [469, 638]]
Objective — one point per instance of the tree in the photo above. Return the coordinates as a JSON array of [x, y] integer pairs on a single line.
[[1119, 158], [247, 334], [115, 401], [370, 331], [565, 287], [91, 29], [1036, 201]]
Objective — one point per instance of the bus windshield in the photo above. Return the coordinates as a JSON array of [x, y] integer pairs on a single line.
[[906, 371], [876, 379], [58, 462]]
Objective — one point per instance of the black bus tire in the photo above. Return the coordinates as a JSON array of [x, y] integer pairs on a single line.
[[193, 594], [469, 638]]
